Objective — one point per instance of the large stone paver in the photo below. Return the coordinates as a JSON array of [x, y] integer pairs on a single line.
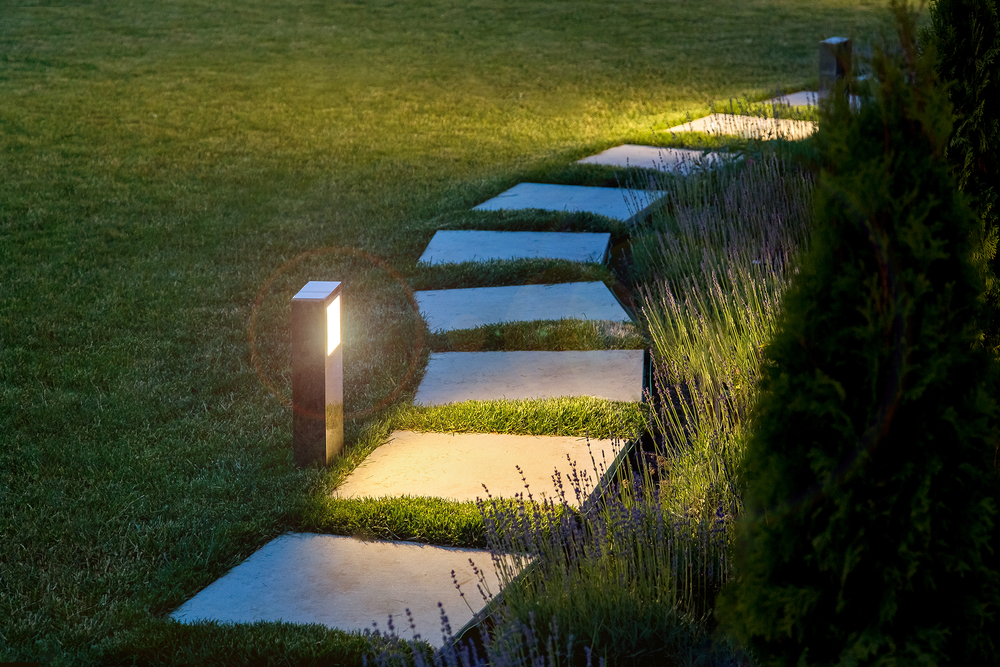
[[681, 160], [345, 583], [807, 98], [480, 246], [457, 465], [749, 127], [465, 376], [450, 309], [803, 98], [618, 203]]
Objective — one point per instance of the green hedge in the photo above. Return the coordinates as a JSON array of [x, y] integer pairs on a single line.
[[870, 527]]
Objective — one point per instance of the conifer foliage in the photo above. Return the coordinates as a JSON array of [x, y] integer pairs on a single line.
[[871, 484], [965, 35]]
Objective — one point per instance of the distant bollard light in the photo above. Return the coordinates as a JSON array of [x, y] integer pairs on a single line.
[[317, 373], [834, 64]]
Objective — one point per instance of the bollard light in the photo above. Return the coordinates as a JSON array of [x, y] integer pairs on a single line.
[[317, 373], [834, 64]]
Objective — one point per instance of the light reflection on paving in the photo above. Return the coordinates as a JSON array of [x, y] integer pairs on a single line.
[[478, 376], [622, 204], [457, 465], [480, 246], [346, 583], [446, 310]]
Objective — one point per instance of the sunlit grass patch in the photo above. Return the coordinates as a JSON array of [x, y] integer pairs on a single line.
[[570, 416]]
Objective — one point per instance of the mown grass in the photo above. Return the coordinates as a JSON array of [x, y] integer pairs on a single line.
[[543, 335], [165, 168], [567, 416]]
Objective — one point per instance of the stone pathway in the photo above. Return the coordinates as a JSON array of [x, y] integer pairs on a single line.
[[348, 583]]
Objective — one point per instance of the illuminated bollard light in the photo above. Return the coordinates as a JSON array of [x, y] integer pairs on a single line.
[[317, 373]]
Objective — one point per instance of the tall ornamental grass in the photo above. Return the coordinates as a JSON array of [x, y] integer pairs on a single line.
[[710, 271]]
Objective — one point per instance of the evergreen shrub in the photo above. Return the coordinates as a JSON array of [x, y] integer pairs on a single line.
[[965, 34], [868, 535]]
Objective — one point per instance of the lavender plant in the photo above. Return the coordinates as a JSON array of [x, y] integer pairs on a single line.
[[711, 270], [630, 581], [602, 574]]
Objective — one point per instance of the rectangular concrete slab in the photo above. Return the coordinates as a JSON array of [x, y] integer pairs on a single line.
[[806, 98], [803, 98], [481, 246], [750, 127], [456, 466], [617, 203], [347, 584], [450, 309], [467, 376], [681, 160]]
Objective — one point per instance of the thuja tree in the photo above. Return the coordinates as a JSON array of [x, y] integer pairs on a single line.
[[868, 536], [966, 37]]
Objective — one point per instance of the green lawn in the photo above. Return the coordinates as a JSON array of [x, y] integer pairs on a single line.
[[163, 168]]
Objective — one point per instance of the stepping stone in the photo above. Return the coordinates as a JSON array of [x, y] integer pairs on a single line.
[[457, 465], [617, 203], [450, 309], [347, 584], [749, 127], [803, 98], [467, 376], [806, 98], [476, 246], [651, 157]]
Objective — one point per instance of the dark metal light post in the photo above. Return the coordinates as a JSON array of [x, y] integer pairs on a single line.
[[834, 64], [317, 373]]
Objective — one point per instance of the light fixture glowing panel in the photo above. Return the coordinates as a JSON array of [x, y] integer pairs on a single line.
[[333, 325]]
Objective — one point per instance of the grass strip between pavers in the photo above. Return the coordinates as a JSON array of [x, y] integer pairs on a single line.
[[533, 219], [540, 335], [414, 519], [583, 416], [428, 520], [507, 272]]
